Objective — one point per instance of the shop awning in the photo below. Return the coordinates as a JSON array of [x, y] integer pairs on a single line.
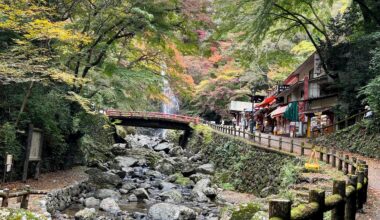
[[291, 112], [266, 101], [279, 111]]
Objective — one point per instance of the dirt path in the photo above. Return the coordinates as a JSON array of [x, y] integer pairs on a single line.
[[47, 182]]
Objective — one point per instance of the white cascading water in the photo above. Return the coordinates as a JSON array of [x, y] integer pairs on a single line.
[[171, 105]]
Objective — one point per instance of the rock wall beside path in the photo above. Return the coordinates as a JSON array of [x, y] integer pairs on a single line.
[[247, 167]]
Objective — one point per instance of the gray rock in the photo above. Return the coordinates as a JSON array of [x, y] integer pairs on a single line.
[[165, 146], [198, 176], [167, 211], [196, 157], [91, 202], [132, 198], [141, 194], [265, 192], [172, 196], [109, 205], [129, 186], [200, 189], [85, 214], [199, 196], [103, 179], [125, 162], [119, 149], [176, 151], [153, 173], [210, 192], [206, 169], [165, 167], [172, 178], [165, 186], [107, 193]]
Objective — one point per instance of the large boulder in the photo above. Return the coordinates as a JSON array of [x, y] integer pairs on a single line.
[[173, 196], [202, 191], [165, 166], [107, 193], [103, 179], [168, 211], [124, 163], [109, 205], [85, 214], [176, 151], [119, 149], [164, 146], [141, 194], [91, 202], [206, 169]]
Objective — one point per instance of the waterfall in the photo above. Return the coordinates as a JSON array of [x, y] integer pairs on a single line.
[[171, 105]]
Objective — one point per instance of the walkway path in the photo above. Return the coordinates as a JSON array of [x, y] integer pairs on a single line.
[[372, 208], [47, 182]]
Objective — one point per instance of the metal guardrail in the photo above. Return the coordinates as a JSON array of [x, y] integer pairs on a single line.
[[346, 199], [7, 194], [152, 115]]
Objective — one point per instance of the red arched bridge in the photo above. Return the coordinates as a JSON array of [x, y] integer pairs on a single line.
[[155, 120]]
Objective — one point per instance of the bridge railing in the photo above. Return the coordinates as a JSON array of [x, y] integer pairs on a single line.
[[345, 201], [152, 115]]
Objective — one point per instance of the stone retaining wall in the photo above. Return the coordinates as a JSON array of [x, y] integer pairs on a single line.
[[247, 167], [60, 199]]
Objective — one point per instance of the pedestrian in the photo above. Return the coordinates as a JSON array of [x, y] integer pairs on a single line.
[[369, 113]]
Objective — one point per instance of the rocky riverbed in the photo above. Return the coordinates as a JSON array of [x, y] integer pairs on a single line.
[[147, 178]]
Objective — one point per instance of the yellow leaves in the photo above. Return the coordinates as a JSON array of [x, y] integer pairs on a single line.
[[31, 21], [304, 47], [278, 73], [61, 76]]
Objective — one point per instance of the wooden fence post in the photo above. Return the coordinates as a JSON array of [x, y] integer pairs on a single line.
[[334, 158], [4, 203], [280, 208], [318, 196], [243, 133], [25, 198], [350, 211], [302, 148], [259, 137], [234, 130], [291, 146], [280, 143], [340, 162], [340, 189], [353, 166], [239, 132], [321, 154], [360, 190], [254, 136], [328, 156], [346, 164], [365, 185], [269, 138]]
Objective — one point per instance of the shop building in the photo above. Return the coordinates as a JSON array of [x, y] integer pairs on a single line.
[[306, 91]]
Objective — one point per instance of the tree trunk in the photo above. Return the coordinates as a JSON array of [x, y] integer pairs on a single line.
[[24, 102]]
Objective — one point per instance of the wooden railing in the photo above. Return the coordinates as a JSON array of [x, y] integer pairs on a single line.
[[152, 115], [24, 194], [346, 199]]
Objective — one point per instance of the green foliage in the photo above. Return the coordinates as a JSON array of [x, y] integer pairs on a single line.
[[289, 174], [372, 94], [362, 138], [181, 180], [8, 141], [19, 214], [245, 211], [204, 131]]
